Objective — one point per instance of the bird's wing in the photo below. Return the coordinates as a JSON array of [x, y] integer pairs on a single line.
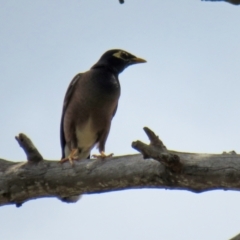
[[66, 101]]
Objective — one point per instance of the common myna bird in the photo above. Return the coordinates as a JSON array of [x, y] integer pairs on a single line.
[[90, 103]]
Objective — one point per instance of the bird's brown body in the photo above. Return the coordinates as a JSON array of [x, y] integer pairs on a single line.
[[88, 113], [89, 105]]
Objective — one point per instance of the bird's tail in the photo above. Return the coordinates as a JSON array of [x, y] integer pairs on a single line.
[[71, 199]]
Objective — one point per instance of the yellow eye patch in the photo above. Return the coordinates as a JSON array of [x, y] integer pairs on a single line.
[[121, 54]]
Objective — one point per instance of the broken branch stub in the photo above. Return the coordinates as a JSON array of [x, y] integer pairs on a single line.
[[31, 151], [158, 151]]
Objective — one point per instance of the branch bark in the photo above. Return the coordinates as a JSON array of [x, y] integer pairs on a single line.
[[31, 151], [235, 2], [237, 237], [37, 178]]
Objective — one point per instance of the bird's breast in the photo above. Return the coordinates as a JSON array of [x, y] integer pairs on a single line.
[[106, 82], [86, 135]]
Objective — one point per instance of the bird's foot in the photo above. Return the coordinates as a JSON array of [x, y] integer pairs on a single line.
[[71, 157], [102, 155]]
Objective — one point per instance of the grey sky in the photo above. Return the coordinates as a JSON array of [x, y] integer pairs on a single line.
[[187, 92]]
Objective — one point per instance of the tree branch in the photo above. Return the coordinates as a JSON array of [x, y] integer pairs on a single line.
[[23, 181], [237, 237], [31, 151], [158, 151], [235, 2]]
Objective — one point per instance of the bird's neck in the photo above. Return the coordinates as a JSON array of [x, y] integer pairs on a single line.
[[106, 67]]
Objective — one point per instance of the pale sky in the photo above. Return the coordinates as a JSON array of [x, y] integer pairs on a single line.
[[188, 93]]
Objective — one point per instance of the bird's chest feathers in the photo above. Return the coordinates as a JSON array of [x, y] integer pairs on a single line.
[[86, 135], [107, 84]]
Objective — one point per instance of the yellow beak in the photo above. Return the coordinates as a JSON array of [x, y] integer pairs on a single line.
[[138, 60]]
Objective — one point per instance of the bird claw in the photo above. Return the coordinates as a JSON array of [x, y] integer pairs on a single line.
[[102, 155], [71, 157]]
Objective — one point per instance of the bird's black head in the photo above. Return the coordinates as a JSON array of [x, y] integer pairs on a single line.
[[117, 60]]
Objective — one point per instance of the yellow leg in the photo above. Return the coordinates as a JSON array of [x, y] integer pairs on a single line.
[[102, 155], [70, 157]]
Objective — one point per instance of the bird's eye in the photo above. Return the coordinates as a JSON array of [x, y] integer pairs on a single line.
[[124, 55]]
